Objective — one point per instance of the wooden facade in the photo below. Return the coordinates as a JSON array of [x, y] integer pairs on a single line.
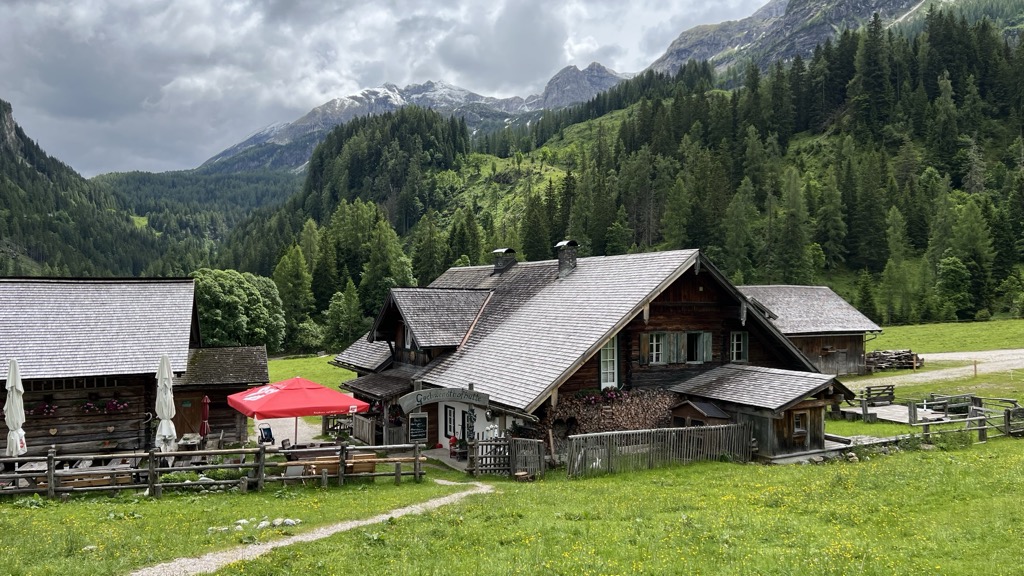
[[834, 353], [798, 429], [188, 404], [89, 415]]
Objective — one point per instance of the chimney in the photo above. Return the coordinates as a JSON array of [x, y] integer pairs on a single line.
[[504, 258], [566, 257]]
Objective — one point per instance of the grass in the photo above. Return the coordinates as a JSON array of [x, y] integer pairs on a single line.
[[952, 337], [909, 513], [315, 368], [130, 531]]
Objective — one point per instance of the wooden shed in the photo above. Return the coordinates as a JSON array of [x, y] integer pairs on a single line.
[[786, 408], [697, 413], [826, 328], [215, 373]]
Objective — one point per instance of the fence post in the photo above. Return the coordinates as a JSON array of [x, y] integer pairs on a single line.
[[260, 466], [912, 411], [151, 479], [343, 454], [864, 409], [471, 459], [50, 469], [416, 468], [398, 473]]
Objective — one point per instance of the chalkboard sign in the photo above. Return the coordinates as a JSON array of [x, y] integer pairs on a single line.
[[417, 428]]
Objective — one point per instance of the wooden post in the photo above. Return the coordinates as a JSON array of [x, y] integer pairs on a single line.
[[343, 454], [975, 368], [417, 467], [471, 461], [151, 477], [864, 409], [260, 466], [926, 429], [398, 473], [912, 411], [243, 485], [323, 478], [50, 476]]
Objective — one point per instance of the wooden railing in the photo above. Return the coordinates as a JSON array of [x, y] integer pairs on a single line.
[[55, 475], [606, 452]]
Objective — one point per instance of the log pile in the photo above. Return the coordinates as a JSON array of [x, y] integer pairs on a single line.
[[892, 360], [634, 410]]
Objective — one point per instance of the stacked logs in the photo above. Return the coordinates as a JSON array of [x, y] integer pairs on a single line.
[[892, 360]]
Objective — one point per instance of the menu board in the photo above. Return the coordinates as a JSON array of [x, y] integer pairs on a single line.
[[418, 428]]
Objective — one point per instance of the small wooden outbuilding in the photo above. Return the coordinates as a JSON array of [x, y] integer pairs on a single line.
[[785, 407], [826, 328]]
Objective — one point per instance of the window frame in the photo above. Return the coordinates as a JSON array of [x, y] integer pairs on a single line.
[[656, 348], [744, 346], [801, 417], [609, 354], [703, 347]]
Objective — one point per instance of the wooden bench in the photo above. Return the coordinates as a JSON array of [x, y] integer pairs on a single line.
[[881, 395]]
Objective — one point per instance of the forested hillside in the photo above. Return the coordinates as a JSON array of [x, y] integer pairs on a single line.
[[54, 222], [894, 157]]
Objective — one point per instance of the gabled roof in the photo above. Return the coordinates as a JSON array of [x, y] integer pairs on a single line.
[[756, 386], [537, 329], [63, 328], [364, 356], [706, 408], [437, 317], [810, 310], [229, 365]]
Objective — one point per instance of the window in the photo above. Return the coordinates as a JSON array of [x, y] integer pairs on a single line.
[[738, 346], [799, 423], [610, 364], [698, 347], [656, 348], [449, 421]]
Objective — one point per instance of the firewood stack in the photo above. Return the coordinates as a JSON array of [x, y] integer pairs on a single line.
[[635, 410], [892, 360]]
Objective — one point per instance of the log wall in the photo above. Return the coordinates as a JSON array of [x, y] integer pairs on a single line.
[[842, 354], [74, 429]]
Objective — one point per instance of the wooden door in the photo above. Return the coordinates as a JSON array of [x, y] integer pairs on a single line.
[[188, 412]]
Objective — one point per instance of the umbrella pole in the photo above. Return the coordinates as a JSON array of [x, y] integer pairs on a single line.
[[295, 439]]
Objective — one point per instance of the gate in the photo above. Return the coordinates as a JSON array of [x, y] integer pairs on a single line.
[[507, 456]]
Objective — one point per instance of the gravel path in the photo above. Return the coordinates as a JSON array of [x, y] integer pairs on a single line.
[[988, 361], [216, 560], [285, 428]]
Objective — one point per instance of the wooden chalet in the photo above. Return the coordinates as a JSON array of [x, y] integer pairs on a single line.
[[89, 350], [526, 334], [826, 328]]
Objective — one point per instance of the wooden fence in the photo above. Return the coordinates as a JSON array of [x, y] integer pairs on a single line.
[[55, 475], [364, 429], [607, 452], [507, 456]]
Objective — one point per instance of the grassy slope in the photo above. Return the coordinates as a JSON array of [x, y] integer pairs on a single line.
[[889, 515], [952, 337], [315, 368]]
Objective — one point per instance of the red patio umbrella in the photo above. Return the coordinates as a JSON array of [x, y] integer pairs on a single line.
[[204, 426], [293, 398]]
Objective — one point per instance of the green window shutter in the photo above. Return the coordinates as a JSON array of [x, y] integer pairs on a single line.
[[707, 346], [645, 340]]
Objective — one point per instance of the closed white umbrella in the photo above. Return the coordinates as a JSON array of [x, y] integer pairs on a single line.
[[14, 411], [166, 435]]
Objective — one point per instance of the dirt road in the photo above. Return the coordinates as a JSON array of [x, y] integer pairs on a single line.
[[988, 361]]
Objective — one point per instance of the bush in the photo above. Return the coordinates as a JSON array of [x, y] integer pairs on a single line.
[[224, 474], [183, 476], [983, 315]]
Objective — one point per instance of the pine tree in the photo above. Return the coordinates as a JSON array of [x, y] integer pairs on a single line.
[[388, 267], [871, 91], [325, 281], [293, 284], [831, 226], [619, 238], [534, 233], [741, 218], [791, 252], [429, 249]]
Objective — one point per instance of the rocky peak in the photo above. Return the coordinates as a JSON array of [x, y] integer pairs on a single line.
[[8, 135], [571, 85]]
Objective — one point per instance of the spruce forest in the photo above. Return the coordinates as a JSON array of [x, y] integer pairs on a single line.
[[889, 165]]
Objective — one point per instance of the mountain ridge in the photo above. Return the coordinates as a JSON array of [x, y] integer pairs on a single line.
[[267, 147]]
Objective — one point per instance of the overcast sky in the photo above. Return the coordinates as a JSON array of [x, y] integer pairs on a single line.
[[163, 85]]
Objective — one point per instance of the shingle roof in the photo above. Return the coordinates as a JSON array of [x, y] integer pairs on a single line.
[[438, 317], [230, 365], [63, 328], [364, 356], [809, 310], [757, 386], [706, 408], [538, 329], [383, 385]]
